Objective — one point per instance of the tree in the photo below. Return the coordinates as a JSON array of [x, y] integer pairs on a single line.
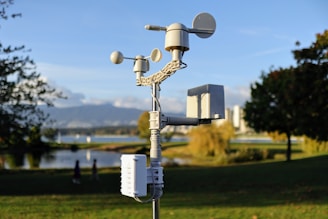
[[277, 137], [143, 126], [271, 107], [210, 139], [34, 136], [22, 90], [311, 88], [293, 100], [312, 146], [167, 136], [50, 134]]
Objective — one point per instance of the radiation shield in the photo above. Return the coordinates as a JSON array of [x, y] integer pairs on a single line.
[[206, 102], [134, 175]]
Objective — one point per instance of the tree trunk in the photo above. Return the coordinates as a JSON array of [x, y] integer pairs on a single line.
[[289, 148]]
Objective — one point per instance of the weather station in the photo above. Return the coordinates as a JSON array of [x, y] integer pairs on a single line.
[[204, 104]]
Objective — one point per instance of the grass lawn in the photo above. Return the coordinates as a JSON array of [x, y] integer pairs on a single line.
[[296, 189]]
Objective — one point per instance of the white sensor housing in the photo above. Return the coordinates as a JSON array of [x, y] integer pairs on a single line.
[[134, 175]]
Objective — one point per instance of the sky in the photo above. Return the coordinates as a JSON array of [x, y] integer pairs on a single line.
[[71, 42]]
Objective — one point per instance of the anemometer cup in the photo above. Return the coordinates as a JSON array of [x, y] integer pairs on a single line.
[[116, 57]]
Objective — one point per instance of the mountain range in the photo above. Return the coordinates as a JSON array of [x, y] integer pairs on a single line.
[[88, 116]]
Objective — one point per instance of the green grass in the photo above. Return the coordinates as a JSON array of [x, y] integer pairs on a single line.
[[297, 189]]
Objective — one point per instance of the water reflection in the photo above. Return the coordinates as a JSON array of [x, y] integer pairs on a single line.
[[59, 159], [66, 158], [13, 160], [107, 139]]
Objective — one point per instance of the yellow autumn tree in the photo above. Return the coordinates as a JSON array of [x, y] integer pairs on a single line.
[[277, 137], [143, 126], [210, 139]]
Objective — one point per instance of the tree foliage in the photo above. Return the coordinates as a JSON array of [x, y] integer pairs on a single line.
[[143, 126], [293, 100], [311, 88], [50, 134], [312, 146], [277, 137], [210, 139], [22, 90], [271, 107]]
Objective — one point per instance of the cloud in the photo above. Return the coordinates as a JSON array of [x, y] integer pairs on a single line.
[[236, 96], [60, 71], [269, 51], [171, 105], [256, 31], [72, 99], [132, 102], [233, 96], [285, 38]]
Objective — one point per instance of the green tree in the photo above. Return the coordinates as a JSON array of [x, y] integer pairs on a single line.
[[292, 100], [34, 137], [22, 90], [167, 136], [271, 107], [50, 134], [311, 88], [143, 126]]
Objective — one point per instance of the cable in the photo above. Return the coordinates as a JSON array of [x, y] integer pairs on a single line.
[[157, 101], [153, 191], [158, 77]]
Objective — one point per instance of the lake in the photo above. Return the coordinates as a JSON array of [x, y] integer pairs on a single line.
[[106, 139], [61, 159], [66, 158], [125, 138]]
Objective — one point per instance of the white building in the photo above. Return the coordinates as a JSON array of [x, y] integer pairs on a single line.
[[236, 116]]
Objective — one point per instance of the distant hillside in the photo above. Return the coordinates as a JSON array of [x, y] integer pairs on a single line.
[[88, 116]]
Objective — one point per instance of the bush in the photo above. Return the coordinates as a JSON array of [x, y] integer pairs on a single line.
[[210, 140], [246, 155], [312, 146]]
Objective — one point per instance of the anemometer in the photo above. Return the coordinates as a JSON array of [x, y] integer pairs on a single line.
[[204, 103]]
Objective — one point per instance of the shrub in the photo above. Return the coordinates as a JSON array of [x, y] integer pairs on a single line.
[[246, 154], [210, 140], [312, 146]]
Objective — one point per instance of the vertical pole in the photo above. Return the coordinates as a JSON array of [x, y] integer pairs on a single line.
[[155, 150], [156, 208]]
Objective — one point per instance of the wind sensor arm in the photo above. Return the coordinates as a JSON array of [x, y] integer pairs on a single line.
[[203, 26], [177, 34], [176, 42], [153, 27]]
